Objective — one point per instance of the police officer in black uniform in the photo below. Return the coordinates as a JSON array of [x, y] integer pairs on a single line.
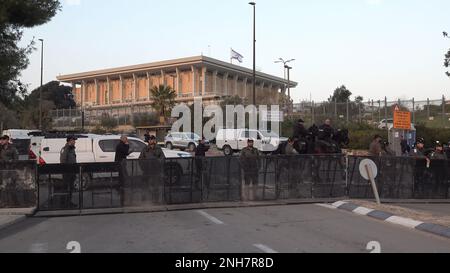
[[299, 136]]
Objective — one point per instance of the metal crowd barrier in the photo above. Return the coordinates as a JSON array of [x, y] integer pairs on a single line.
[[140, 183], [17, 184], [402, 178]]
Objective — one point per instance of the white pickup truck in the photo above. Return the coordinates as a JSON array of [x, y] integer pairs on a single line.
[[90, 149], [234, 140]]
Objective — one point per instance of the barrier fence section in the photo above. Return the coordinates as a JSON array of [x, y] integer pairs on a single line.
[[140, 183], [401, 178], [17, 184]]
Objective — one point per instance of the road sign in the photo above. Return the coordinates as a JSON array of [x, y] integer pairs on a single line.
[[402, 120], [371, 165]]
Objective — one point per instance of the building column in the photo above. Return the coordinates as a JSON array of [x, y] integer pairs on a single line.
[[97, 93], [74, 91], [215, 82], [83, 91], [261, 94], [149, 95], [205, 76], [245, 88], [271, 95], [163, 78], [122, 95], [109, 91], [225, 84], [135, 82], [235, 87], [194, 80], [178, 83]]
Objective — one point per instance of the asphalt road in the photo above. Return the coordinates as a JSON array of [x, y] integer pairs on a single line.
[[284, 229]]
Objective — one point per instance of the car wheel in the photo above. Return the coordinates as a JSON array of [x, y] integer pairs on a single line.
[[227, 151], [169, 146], [191, 147]]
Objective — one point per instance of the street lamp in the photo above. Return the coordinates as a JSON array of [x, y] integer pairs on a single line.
[[42, 79], [281, 60], [254, 51]]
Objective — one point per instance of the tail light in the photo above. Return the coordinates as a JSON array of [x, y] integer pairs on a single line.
[[42, 161], [31, 155]]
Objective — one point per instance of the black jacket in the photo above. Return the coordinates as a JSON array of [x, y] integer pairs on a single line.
[[122, 152], [300, 131], [201, 150]]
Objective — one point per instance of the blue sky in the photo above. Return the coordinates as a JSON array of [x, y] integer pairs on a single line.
[[376, 48]]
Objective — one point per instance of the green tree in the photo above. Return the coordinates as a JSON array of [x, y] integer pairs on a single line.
[[54, 96], [163, 100], [341, 95], [14, 17], [447, 62]]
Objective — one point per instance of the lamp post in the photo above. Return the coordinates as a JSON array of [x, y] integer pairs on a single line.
[[288, 68], [42, 79], [254, 51]]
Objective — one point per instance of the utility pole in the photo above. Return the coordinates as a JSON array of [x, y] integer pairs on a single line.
[[254, 51], [42, 82]]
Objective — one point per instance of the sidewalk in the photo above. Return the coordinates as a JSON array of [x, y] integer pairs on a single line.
[[9, 217]]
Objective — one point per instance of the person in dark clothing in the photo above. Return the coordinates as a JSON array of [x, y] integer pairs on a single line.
[[250, 164], [326, 131], [299, 136], [122, 149], [8, 152], [152, 165], [68, 156], [122, 152], [404, 146], [200, 154], [422, 164], [147, 136]]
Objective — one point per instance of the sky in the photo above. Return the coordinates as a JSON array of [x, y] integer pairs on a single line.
[[376, 48]]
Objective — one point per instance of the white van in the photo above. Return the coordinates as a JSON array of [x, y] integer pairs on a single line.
[[90, 149], [234, 140]]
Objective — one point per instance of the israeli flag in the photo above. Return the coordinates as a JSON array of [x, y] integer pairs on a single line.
[[236, 56]]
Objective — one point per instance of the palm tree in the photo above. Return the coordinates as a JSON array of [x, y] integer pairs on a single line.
[[163, 98]]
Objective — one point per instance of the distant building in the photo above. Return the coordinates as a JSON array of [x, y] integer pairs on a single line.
[[211, 79]]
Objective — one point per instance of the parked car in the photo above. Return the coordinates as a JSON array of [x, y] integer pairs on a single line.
[[183, 141], [234, 140]]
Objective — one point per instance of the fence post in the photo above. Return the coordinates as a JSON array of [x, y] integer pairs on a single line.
[[379, 110], [414, 110], [428, 110], [386, 113]]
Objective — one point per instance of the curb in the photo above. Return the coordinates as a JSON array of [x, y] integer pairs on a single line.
[[169, 208], [393, 219]]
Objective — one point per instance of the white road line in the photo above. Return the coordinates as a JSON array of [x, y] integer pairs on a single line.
[[363, 211], [210, 217], [265, 249], [326, 206], [39, 248], [409, 223]]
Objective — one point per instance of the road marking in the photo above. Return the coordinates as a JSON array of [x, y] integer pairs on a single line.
[[409, 223], [326, 206], [265, 249], [210, 217], [362, 211], [39, 248]]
